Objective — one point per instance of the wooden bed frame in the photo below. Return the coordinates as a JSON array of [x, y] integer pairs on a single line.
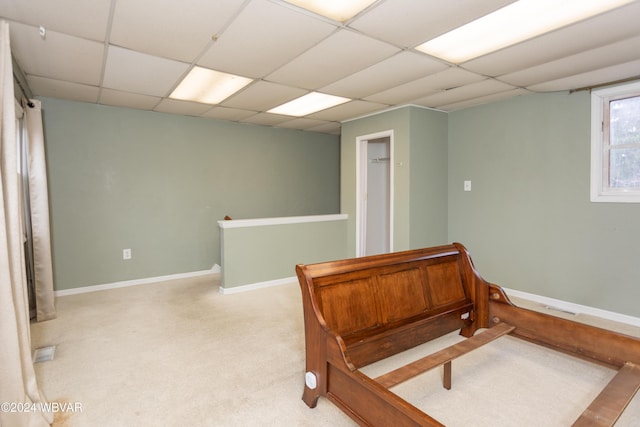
[[359, 311]]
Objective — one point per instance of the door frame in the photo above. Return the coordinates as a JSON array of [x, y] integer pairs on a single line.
[[361, 188]]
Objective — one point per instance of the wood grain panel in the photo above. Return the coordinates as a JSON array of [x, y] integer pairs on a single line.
[[401, 295], [349, 307], [445, 283]]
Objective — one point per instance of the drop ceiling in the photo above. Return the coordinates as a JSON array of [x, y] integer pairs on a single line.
[[133, 53]]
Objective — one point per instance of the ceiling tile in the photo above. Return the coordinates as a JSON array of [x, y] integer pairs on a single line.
[[461, 93], [601, 30], [449, 78], [58, 56], [232, 114], [266, 119], [401, 68], [172, 29], [302, 123], [80, 18], [184, 108], [262, 38], [64, 90], [288, 51], [350, 109], [483, 99], [262, 96], [128, 99], [421, 20], [132, 71], [333, 59], [616, 53], [332, 128], [595, 77]]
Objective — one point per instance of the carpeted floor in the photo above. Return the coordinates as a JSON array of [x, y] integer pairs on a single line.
[[179, 353]]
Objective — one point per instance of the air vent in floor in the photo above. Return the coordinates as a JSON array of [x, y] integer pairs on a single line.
[[44, 354], [550, 307]]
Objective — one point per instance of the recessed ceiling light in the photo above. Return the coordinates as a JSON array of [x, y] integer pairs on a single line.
[[309, 103], [338, 10], [208, 86], [511, 24]]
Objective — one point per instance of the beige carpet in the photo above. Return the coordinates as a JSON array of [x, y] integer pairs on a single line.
[[179, 353]]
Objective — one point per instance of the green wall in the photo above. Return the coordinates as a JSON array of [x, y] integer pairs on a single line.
[[158, 183], [528, 221], [420, 179], [428, 178], [398, 121], [246, 248]]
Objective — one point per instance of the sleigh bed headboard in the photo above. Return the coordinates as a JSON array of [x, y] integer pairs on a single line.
[[362, 310], [385, 304]]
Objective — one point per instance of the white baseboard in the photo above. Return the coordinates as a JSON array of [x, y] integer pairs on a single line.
[[574, 308], [550, 302], [259, 285], [94, 288]]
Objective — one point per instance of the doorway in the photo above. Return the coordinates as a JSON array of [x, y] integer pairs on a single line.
[[374, 199]]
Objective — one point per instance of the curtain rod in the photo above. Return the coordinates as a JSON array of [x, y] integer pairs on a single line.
[[24, 92], [20, 79], [589, 88]]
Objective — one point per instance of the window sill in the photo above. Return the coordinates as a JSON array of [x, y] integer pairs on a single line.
[[621, 197]]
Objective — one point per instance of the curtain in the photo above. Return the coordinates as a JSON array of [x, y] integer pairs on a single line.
[[36, 214], [18, 380]]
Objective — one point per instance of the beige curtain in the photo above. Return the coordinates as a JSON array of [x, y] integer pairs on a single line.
[[37, 214], [18, 384]]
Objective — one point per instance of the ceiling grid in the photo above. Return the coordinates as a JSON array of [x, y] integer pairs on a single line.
[[134, 53]]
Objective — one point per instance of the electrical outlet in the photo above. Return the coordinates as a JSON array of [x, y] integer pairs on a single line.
[[467, 186], [126, 254]]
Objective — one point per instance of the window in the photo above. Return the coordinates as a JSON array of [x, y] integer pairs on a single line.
[[615, 144]]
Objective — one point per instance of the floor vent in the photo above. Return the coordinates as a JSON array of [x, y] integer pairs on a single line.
[[44, 354], [550, 307]]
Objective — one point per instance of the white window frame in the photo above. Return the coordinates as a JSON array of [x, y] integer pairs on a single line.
[[599, 163]]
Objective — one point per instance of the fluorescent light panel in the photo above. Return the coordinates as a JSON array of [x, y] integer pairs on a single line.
[[338, 10], [208, 86], [514, 23], [309, 103]]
